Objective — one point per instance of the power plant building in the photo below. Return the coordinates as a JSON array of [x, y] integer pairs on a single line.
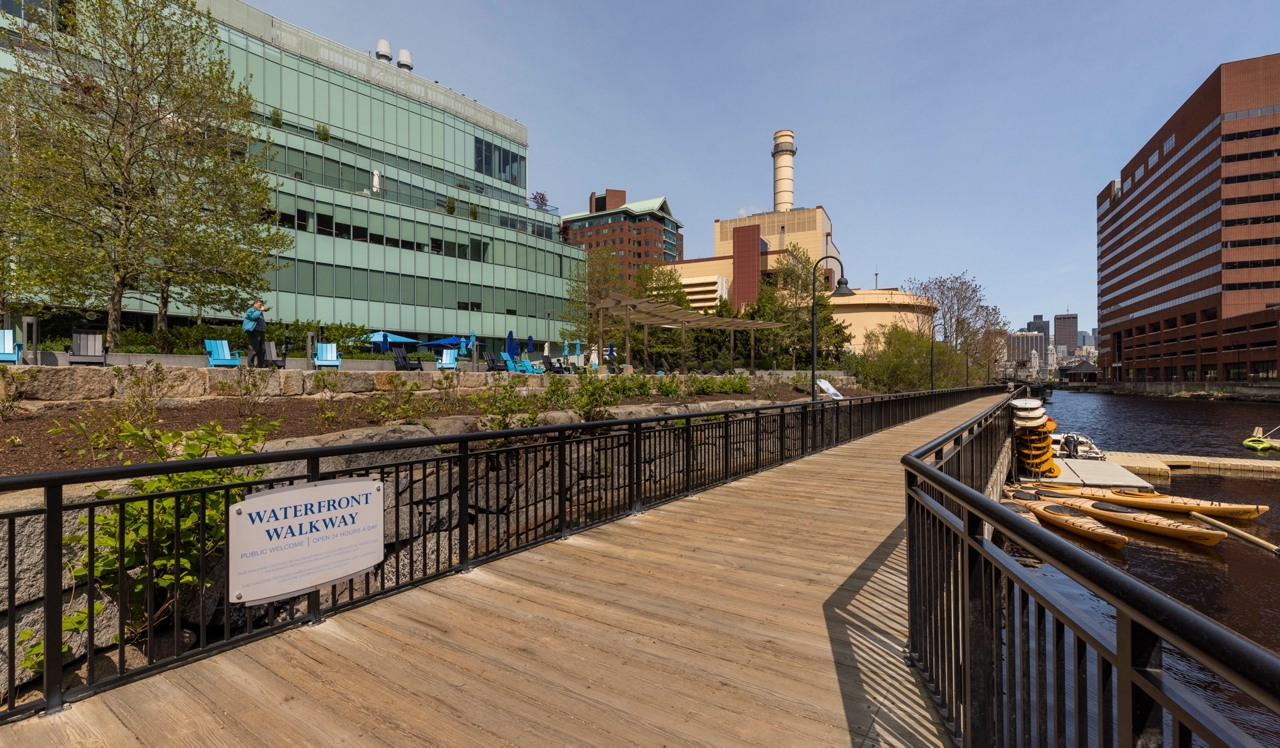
[[407, 201], [1188, 239]]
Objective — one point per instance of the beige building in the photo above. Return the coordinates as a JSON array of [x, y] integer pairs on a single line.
[[869, 308], [746, 248]]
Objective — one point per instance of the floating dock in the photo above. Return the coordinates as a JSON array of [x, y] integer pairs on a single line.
[[1096, 473], [1164, 467]]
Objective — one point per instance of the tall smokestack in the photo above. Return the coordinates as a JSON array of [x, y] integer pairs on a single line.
[[784, 153]]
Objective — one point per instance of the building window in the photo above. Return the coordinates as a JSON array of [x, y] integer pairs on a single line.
[[1138, 174], [1168, 144], [1127, 184], [1151, 162]]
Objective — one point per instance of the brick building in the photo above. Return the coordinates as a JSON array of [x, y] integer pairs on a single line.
[[1189, 239], [1066, 328], [644, 232]]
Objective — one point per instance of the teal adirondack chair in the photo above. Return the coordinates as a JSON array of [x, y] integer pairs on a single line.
[[448, 359], [219, 354], [511, 365], [327, 356], [10, 351]]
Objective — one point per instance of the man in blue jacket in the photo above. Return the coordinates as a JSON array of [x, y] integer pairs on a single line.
[[255, 324]]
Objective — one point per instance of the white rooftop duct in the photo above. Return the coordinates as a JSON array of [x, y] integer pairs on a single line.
[[383, 50]]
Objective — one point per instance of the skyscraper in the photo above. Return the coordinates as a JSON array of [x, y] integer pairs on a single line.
[[1040, 325], [1065, 329]]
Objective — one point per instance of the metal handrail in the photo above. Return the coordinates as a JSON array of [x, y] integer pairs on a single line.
[[752, 439], [1236, 659]]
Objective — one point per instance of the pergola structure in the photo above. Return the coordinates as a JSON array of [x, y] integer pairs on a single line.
[[662, 314]]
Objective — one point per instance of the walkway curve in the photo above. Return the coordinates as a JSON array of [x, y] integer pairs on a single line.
[[769, 611]]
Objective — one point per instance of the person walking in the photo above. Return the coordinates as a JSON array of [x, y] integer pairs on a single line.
[[255, 324]]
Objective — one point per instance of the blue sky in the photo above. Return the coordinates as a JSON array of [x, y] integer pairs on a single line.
[[941, 137]]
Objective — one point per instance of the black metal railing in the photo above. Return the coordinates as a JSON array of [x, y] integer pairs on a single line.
[[127, 566], [1013, 658]]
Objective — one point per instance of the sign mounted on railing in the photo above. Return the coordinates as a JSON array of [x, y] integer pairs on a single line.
[[290, 540], [826, 387]]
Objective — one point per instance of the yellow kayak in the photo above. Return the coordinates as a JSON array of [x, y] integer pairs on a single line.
[[1158, 502], [1036, 463], [1070, 520], [1137, 519], [1021, 511], [1036, 442]]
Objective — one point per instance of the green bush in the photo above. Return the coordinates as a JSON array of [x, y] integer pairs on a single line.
[[630, 385], [668, 386], [734, 384], [696, 385], [558, 395], [593, 396]]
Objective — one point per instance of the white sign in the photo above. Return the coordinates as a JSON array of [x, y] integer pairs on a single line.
[[299, 538], [832, 391]]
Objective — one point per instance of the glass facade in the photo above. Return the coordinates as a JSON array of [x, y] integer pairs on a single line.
[[407, 216]]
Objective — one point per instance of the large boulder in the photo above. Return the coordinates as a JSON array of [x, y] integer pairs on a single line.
[[291, 382], [375, 434], [344, 381], [424, 380], [65, 382]]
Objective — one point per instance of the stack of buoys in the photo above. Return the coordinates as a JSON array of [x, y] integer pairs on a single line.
[[1032, 439]]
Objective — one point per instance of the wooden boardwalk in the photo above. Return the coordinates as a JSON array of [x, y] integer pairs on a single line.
[[769, 611]]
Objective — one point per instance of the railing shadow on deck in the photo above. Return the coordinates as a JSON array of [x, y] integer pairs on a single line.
[[1010, 660], [132, 579]]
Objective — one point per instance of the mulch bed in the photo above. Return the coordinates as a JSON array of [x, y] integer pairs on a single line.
[[26, 446]]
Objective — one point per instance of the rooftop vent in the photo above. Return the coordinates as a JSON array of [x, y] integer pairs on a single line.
[[383, 50], [404, 60]]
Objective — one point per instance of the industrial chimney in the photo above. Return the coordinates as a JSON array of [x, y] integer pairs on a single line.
[[383, 50], [404, 60], [784, 152]]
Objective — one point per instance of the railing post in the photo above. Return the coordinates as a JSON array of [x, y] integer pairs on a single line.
[[977, 642], [1141, 719], [725, 451], [633, 468], [464, 505], [756, 421], [805, 411], [313, 597], [688, 455], [563, 482], [52, 600]]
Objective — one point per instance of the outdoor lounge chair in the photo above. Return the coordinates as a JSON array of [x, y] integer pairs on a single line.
[[448, 360], [10, 351], [492, 362], [273, 359], [327, 356], [87, 348], [553, 367], [220, 354], [403, 362], [573, 368], [611, 366], [510, 362]]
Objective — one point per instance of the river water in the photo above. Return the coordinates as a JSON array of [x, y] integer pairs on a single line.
[[1234, 582]]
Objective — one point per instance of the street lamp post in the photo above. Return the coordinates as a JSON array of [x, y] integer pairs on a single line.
[[842, 289]]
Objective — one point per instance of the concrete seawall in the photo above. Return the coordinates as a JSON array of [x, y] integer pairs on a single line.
[[1265, 392]]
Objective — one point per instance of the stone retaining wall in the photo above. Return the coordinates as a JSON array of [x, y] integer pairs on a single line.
[[62, 384]]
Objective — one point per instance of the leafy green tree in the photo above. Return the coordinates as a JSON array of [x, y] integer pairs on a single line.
[[601, 273], [137, 171], [786, 295], [895, 358]]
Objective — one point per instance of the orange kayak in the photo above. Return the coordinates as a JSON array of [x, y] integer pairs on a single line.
[[1157, 502], [1127, 516]]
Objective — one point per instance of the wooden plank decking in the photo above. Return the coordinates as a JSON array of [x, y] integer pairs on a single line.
[[769, 611]]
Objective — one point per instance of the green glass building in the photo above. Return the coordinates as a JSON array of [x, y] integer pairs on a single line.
[[408, 201]]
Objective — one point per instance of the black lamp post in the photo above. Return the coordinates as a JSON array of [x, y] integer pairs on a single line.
[[842, 289]]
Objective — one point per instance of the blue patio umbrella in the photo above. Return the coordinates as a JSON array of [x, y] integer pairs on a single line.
[[565, 343], [611, 350], [530, 349], [577, 347], [451, 342], [383, 337], [513, 348]]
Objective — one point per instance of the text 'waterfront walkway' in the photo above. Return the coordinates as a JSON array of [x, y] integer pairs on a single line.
[[769, 611]]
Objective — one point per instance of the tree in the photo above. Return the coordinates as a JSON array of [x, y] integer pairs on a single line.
[[601, 273], [137, 169], [539, 200], [786, 295]]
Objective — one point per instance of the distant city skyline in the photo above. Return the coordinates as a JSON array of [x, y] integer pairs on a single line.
[[940, 138]]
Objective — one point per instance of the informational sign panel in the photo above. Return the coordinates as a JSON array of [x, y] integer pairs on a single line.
[[826, 387], [290, 540]]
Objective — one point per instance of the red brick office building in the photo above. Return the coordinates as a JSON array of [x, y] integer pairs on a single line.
[[642, 232], [1189, 239]]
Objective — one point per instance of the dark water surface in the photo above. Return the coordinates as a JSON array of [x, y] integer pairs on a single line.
[[1235, 583]]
